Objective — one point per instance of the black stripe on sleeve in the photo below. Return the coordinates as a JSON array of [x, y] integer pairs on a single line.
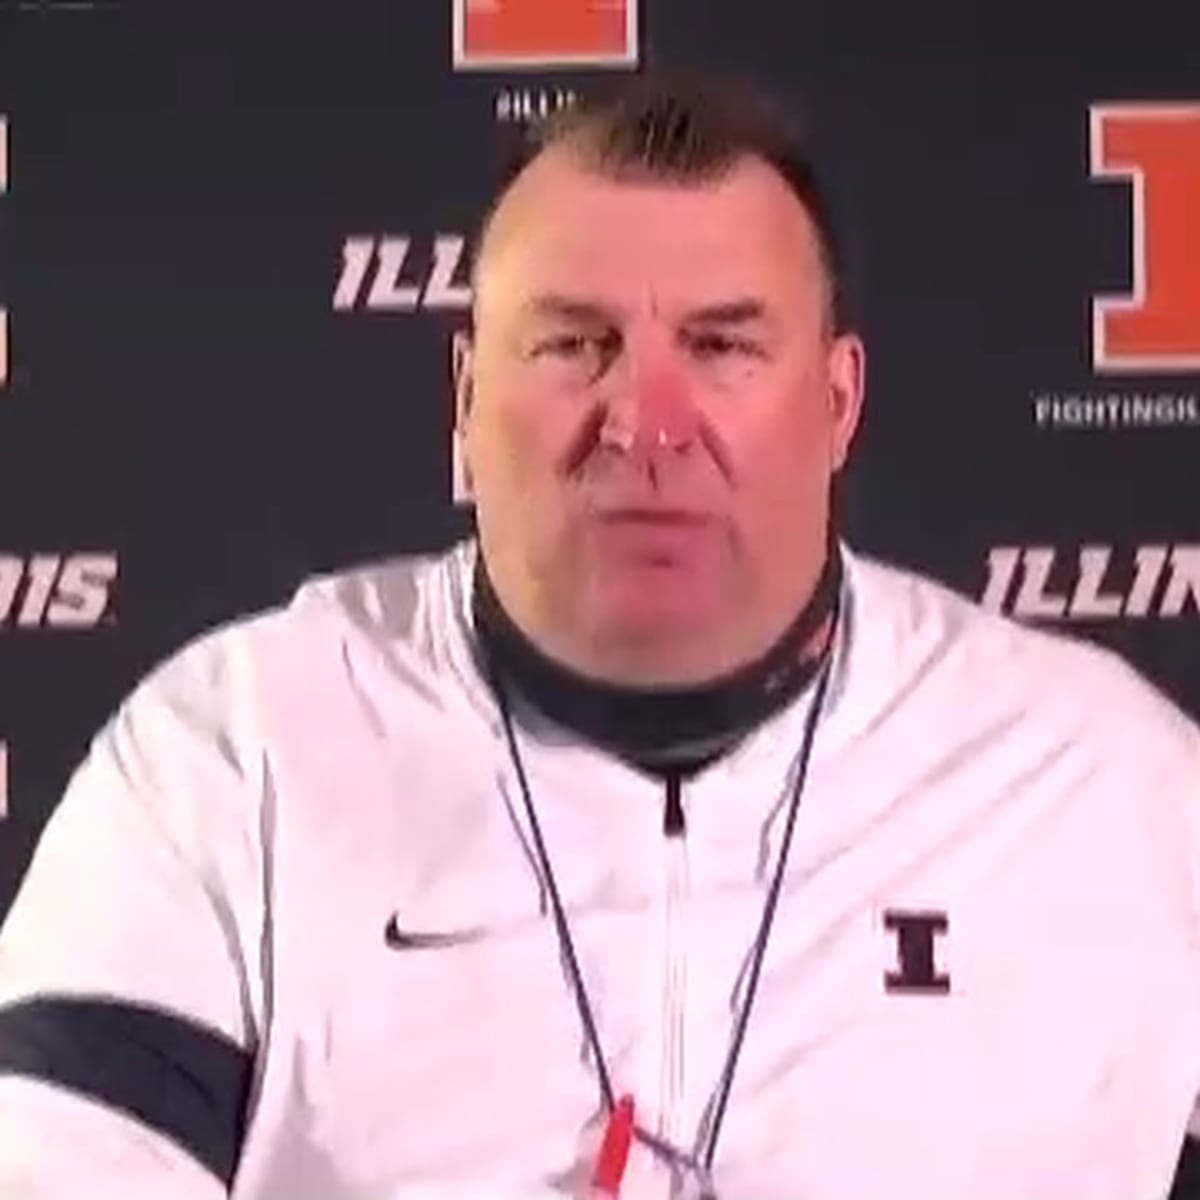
[[185, 1080]]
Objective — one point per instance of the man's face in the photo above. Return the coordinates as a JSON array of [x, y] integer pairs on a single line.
[[651, 411]]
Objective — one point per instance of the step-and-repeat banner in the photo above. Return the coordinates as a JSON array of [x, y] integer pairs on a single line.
[[233, 244]]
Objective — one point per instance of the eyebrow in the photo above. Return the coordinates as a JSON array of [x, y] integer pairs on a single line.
[[728, 312], [738, 311], [573, 308]]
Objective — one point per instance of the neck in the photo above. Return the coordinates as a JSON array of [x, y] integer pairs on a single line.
[[659, 730]]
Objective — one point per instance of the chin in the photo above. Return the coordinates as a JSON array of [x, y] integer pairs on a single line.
[[651, 598], [651, 610]]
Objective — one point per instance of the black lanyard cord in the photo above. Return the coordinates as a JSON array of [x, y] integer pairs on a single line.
[[702, 1163], [768, 914], [565, 942]]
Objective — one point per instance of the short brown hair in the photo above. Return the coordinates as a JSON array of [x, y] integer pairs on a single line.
[[686, 129]]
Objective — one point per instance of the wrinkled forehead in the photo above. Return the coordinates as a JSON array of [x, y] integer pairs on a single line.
[[635, 242]]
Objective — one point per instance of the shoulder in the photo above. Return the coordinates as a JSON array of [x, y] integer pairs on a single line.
[[924, 628], [212, 689]]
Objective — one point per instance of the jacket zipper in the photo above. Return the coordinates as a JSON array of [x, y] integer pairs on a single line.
[[675, 967]]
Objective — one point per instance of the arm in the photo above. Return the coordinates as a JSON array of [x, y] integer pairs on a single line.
[[128, 998]]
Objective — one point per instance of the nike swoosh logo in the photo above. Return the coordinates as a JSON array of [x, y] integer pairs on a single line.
[[396, 938]]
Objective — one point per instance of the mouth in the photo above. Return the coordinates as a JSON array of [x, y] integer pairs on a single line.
[[652, 518], [655, 537]]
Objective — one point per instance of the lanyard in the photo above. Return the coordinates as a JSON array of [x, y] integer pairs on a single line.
[[699, 1163]]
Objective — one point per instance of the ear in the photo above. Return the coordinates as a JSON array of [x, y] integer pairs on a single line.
[[462, 369], [462, 352], [847, 385]]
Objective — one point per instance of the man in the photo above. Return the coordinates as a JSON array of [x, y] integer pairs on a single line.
[[655, 840]]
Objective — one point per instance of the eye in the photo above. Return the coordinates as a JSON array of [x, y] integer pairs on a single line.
[[565, 345], [585, 354], [568, 343], [716, 344]]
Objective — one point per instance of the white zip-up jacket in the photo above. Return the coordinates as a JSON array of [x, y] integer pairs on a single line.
[[285, 938]]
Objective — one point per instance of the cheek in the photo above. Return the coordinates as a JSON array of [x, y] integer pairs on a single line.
[[784, 446], [503, 441], [515, 449]]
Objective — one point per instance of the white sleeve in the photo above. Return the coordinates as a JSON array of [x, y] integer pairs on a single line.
[[129, 994], [1193, 1126]]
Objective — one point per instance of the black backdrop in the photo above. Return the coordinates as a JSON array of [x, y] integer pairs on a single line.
[[231, 256]]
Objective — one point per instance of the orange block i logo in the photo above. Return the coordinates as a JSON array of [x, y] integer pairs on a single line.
[[540, 34]]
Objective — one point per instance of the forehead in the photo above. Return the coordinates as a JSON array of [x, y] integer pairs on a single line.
[[565, 227]]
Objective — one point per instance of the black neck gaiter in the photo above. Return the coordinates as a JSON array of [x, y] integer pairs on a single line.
[[662, 731]]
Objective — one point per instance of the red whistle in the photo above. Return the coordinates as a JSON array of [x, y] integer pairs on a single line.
[[614, 1150]]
